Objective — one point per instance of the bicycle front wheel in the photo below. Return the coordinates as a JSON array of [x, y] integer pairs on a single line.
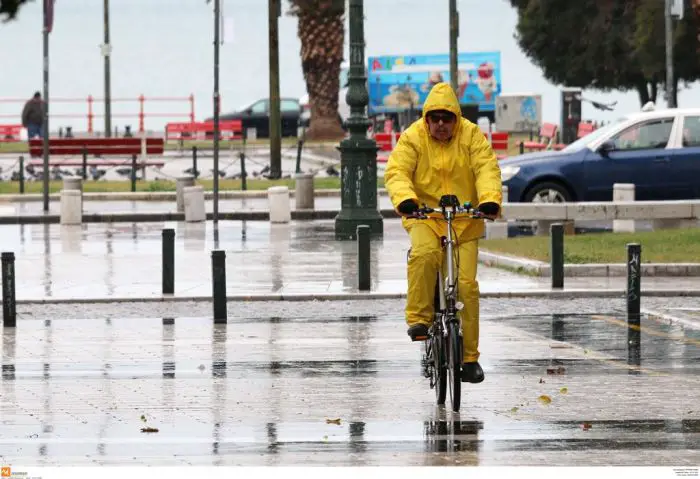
[[454, 364], [439, 358]]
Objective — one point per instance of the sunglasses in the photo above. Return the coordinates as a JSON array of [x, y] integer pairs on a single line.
[[444, 117]]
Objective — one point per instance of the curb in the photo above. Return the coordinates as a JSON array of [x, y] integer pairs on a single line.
[[617, 270], [543, 293], [248, 215], [164, 195], [670, 319]]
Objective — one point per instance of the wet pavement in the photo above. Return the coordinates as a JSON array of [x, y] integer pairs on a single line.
[[345, 390], [124, 261]]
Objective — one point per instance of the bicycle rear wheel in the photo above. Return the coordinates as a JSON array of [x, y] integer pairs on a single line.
[[439, 359], [454, 364]]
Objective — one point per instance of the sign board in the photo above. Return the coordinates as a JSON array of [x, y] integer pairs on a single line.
[[677, 8], [401, 82], [519, 112]]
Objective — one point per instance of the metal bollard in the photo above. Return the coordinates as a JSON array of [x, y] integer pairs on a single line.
[[168, 261], [195, 173], [9, 299], [300, 147], [218, 269], [522, 147], [84, 162], [363, 258], [634, 282], [244, 183], [21, 174], [133, 173], [556, 232]]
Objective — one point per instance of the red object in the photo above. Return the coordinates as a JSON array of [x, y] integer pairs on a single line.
[[10, 133], [96, 146], [547, 132], [48, 15], [233, 129]]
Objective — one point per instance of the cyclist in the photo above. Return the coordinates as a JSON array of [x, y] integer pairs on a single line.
[[444, 154]]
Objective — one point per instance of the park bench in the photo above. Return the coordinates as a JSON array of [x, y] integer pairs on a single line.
[[10, 133], [228, 129], [127, 148], [546, 138]]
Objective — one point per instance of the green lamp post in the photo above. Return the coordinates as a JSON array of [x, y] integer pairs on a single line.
[[358, 160]]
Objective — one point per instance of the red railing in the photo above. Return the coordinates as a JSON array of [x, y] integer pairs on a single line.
[[87, 111]]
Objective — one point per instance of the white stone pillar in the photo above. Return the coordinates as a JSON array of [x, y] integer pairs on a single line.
[[71, 207], [623, 192], [278, 200], [194, 204]]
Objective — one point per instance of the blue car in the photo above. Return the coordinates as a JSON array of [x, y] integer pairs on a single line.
[[657, 151]]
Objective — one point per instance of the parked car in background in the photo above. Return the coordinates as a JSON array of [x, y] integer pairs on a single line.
[[657, 151], [257, 115]]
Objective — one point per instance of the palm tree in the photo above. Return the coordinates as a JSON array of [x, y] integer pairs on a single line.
[[322, 33]]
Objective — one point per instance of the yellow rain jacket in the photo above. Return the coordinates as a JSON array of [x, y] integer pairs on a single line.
[[423, 169]]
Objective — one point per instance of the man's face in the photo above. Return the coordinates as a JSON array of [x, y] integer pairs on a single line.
[[442, 124]]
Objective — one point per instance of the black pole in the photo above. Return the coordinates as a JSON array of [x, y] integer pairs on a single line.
[[168, 261], [9, 306], [363, 258], [21, 174], [275, 122], [218, 266], [556, 232], [195, 173], [300, 147], [244, 182], [634, 282], [217, 14], [45, 129], [84, 162], [107, 51], [133, 173]]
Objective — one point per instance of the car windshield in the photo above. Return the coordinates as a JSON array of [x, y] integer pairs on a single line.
[[584, 141]]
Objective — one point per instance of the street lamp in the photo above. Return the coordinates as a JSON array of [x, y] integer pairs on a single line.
[[106, 52], [358, 160]]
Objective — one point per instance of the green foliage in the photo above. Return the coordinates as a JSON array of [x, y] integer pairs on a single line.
[[606, 44], [9, 8]]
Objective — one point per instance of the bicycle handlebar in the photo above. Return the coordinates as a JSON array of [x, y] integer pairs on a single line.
[[422, 213]]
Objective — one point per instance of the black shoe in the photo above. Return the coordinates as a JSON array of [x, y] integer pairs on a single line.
[[472, 373], [418, 332]]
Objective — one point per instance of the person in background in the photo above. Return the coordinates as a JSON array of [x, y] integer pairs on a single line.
[[33, 116]]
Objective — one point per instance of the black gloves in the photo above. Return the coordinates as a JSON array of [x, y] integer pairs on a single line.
[[408, 207], [489, 209]]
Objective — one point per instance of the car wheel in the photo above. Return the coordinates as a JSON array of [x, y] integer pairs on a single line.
[[548, 192]]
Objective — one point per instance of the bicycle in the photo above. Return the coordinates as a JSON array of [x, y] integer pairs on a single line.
[[443, 348]]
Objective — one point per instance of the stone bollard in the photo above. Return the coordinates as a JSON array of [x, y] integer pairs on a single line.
[[278, 201], [194, 204], [623, 192], [180, 185], [71, 207], [304, 193], [72, 183]]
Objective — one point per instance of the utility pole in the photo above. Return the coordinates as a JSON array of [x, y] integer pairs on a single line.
[[106, 51], [48, 23], [670, 81], [217, 23], [454, 34], [274, 11]]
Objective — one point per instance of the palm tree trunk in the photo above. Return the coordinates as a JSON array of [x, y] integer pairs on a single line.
[[322, 33]]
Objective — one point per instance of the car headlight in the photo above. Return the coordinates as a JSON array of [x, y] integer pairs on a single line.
[[508, 172]]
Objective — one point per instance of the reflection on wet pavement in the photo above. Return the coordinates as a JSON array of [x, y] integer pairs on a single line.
[[347, 391]]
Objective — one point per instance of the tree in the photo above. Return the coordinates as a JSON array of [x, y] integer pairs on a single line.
[[321, 30], [9, 8], [605, 44]]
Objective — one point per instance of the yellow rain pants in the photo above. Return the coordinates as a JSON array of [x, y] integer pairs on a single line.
[[424, 261]]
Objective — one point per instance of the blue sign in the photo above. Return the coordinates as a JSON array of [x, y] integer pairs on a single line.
[[400, 82]]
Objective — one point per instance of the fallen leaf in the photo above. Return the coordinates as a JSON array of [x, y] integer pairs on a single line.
[[143, 418], [564, 390], [585, 351], [586, 426], [545, 399], [514, 409], [541, 381], [325, 438], [557, 370], [149, 429], [333, 421]]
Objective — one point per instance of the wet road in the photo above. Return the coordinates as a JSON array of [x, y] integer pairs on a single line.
[[321, 389], [124, 260]]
